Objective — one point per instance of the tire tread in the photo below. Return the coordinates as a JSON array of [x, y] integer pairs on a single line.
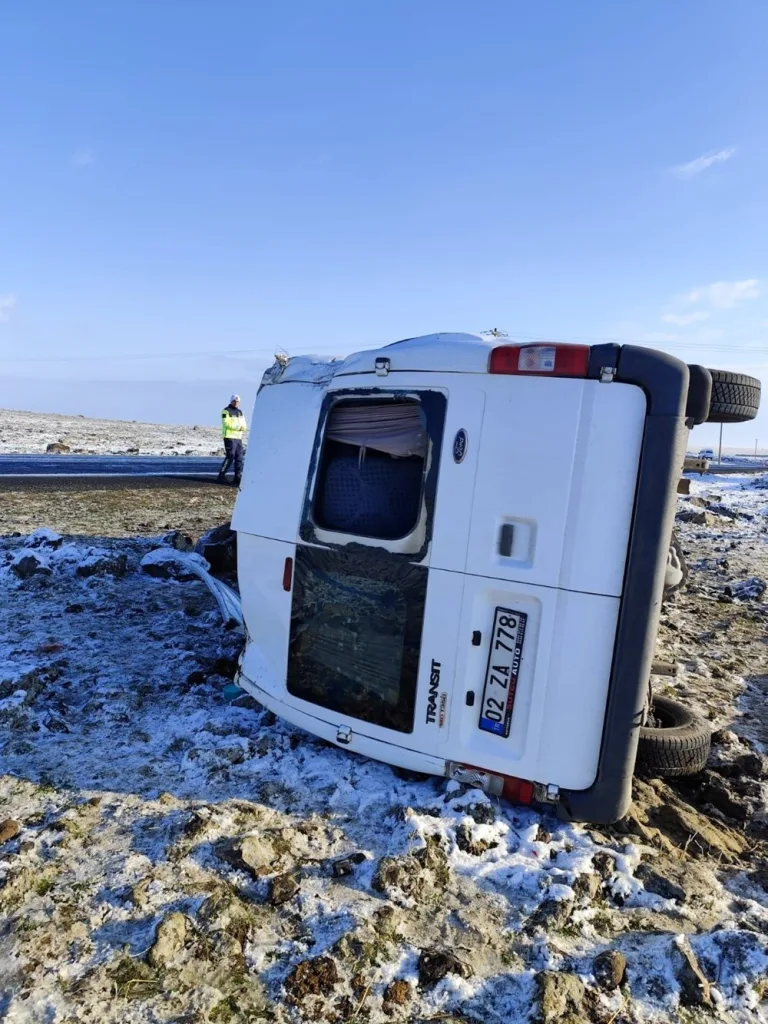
[[735, 397], [682, 749]]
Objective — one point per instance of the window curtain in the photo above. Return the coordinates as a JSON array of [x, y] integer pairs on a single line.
[[397, 428]]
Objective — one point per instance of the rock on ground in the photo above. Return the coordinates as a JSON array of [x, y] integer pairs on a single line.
[[609, 969], [170, 937], [9, 829], [219, 548], [561, 997]]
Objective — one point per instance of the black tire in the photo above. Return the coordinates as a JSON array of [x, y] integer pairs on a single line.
[[735, 397], [676, 551], [674, 742]]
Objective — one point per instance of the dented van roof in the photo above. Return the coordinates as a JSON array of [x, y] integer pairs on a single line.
[[445, 353]]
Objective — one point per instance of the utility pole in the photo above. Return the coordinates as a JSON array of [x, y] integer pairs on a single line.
[[720, 452]]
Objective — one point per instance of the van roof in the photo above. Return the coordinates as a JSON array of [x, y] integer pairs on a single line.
[[445, 353]]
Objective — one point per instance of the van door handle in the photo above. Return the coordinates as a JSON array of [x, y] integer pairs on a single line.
[[506, 540]]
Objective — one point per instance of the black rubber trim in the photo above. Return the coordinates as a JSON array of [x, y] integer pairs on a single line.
[[699, 395], [664, 380]]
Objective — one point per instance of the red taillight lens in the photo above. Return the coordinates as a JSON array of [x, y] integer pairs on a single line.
[[517, 791], [288, 574], [541, 360]]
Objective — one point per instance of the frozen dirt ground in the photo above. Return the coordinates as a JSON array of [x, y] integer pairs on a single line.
[[146, 506], [171, 852]]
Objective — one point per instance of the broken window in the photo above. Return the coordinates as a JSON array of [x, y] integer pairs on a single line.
[[372, 469], [356, 626]]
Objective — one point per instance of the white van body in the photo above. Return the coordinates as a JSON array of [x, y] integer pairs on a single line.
[[480, 644]]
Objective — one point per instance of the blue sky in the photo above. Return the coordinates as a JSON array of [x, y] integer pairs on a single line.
[[189, 177]]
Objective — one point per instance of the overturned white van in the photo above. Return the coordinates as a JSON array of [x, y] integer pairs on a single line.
[[451, 555]]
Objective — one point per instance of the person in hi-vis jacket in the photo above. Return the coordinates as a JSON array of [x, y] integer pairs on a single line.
[[233, 428]]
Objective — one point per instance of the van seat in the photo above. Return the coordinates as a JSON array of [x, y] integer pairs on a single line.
[[373, 495]]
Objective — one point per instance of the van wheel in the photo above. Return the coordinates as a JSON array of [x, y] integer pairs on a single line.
[[674, 741], [735, 397]]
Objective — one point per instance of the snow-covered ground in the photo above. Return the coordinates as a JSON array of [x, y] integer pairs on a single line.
[[746, 460], [719, 642], [32, 432], [747, 493], [171, 852]]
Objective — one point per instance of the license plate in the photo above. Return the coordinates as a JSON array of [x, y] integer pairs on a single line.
[[503, 670]]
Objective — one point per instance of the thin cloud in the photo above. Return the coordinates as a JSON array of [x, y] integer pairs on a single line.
[[702, 163], [723, 294], [7, 303], [82, 157], [685, 319]]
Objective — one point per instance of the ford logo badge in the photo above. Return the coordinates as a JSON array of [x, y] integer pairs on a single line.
[[460, 446]]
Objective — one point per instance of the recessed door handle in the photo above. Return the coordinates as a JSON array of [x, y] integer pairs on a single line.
[[506, 540]]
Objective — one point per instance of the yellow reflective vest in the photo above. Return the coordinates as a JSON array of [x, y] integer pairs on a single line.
[[233, 423]]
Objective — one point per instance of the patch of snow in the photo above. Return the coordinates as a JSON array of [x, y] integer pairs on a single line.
[[188, 559], [31, 433], [42, 537]]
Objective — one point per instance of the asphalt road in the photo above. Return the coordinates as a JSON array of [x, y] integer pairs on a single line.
[[180, 467], [190, 467]]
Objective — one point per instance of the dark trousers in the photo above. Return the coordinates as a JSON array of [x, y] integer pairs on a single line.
[[233, 446]]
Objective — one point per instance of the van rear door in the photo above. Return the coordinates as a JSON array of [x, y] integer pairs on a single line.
[[369, 652], [552, 510]]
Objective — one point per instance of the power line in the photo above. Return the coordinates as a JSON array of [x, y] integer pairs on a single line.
[[131, 356], [324, 350]]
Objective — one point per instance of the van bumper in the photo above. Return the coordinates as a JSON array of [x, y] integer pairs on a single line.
[[389, 753]]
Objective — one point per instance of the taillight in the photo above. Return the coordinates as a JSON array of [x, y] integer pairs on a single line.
[[517, 791], [541, 360]]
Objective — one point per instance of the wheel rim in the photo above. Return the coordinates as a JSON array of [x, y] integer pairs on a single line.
[[662, 718]]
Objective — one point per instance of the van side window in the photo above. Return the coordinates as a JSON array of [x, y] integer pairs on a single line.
[[371, 477]]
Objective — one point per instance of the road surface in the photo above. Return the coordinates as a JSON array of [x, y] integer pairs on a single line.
[[182, 467], [73, 466]]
